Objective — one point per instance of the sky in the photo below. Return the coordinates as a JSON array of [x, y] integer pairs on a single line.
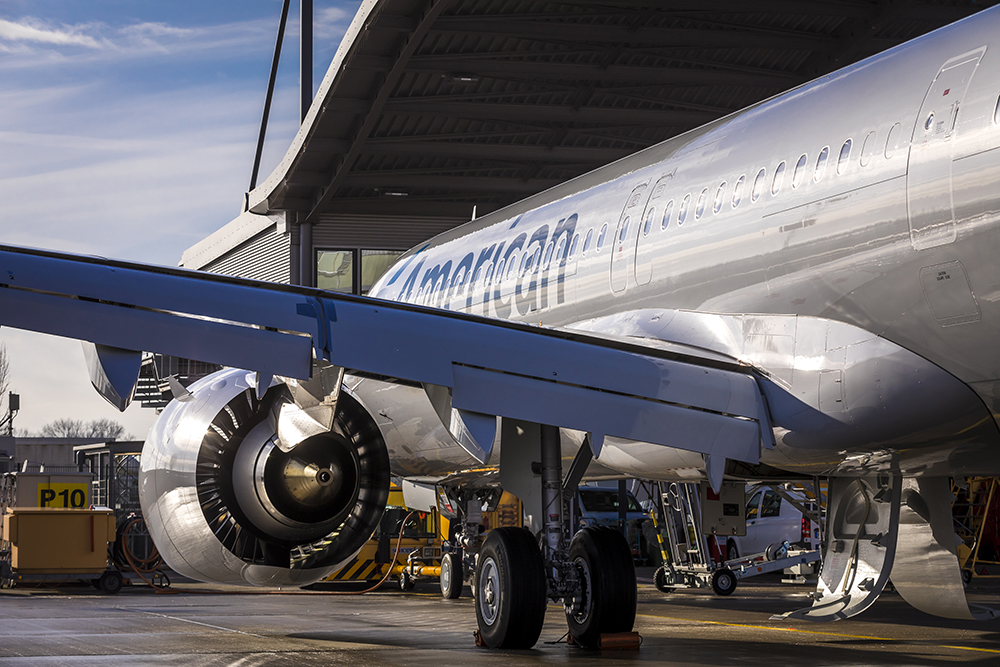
[[128, 130]]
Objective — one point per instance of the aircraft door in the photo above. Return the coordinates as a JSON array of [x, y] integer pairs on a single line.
[[621, 249], [929, 204], [645, 233]]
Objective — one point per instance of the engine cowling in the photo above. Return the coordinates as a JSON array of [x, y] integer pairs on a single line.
[[224, 503]]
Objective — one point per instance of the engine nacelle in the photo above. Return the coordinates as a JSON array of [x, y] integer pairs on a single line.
[[224, 503]]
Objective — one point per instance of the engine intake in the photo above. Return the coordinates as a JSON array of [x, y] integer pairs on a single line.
[[225, 503]]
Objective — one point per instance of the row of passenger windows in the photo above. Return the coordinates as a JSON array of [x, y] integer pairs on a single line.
[[523, 263]]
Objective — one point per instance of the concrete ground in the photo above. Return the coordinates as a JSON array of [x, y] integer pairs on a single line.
[[197, 625]]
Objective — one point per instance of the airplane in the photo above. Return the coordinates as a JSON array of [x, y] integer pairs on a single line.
[[807, 287]]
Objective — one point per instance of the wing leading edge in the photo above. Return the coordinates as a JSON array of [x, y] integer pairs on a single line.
[[678, 397]]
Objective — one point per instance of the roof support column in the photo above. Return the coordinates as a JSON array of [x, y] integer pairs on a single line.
[[307, 274], [305, 57]]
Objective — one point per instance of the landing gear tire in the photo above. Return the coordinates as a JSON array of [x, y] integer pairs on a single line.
[[405, 581], [110, 582], [451, 575], [724, 581], [607, 599], [662, 579], [511, 589]]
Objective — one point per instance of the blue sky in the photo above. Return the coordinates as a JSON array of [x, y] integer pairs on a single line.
[[127, 130]]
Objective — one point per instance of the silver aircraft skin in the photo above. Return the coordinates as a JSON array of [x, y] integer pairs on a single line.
[[841, 238], [805, 287]]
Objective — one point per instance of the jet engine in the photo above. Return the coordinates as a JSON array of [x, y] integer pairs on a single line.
[[229, 501]]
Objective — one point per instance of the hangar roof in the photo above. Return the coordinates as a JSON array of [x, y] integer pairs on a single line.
[[456, 103]]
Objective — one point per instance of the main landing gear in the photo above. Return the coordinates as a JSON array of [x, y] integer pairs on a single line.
[[516, 574]]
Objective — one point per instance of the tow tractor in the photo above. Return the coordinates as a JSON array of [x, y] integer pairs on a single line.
[[692, 558]]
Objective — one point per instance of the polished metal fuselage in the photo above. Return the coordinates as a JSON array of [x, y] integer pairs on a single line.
[[841, 238]]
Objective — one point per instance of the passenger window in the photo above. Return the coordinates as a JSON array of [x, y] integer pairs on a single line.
[[621, 236], [738, 190], [682, 212], [648, 224], [559, 250], [499, 273], [600, 237], [753, 506], [771, 506], [548, 254], [720, 195], [845, 157], [758, 185], [800, 170], [586, 242], [868, 149], [526, 260], [821, 164], [511, 265], [667, 210], [489, 273], [700, 208], [479, 274], [779, 177], [891, 140], [573, 246]]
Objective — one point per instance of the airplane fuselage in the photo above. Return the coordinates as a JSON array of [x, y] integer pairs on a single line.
[[846, 224]]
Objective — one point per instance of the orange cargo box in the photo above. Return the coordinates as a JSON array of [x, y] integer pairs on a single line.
[[45, 540]]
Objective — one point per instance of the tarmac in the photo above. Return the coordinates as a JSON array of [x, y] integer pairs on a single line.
[[197, 625]]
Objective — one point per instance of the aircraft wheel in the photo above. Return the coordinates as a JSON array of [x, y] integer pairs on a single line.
[[405, 581], [110, 582], [511, 589], [724, 581], [451, 575], [662, 579], [607, 598]]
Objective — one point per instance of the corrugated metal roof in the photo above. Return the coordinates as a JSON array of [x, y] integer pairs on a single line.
[[460, 102]]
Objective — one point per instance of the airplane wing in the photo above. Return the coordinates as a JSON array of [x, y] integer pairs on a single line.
[[671, 395]]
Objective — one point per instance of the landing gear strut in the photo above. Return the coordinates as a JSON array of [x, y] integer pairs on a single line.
[[594, 578]]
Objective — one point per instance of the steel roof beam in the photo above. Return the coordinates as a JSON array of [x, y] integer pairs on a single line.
[[486, 151]]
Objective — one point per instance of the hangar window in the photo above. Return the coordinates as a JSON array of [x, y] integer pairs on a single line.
[[573, 246], [700, 208], [821, 164], [624, 231], [352, 270], [758, 185], [800, 170], [586, 242], [845, 156], [720, 196], [738, 190], [600, 237], [648, 224], [682, 212], [779, 178]]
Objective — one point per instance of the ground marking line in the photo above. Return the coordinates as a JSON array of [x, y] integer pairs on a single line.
[[207, 625], [811, 632]]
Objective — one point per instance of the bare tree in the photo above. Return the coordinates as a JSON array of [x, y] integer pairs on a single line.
[[107, 429], [4, 378]]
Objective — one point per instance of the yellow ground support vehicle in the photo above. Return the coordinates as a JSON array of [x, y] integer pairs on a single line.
[[420, 546]]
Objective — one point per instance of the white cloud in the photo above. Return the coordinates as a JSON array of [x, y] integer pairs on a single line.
[[34, 30]]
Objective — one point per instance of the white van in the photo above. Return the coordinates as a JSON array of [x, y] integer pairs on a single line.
[[771, 520]]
